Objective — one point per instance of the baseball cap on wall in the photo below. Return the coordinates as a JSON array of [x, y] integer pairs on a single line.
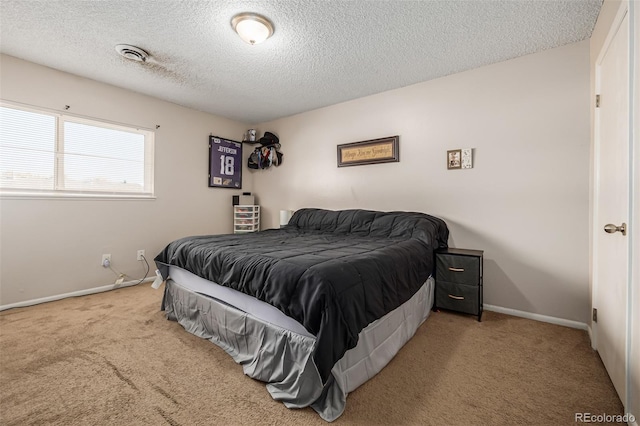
[[269, 139]]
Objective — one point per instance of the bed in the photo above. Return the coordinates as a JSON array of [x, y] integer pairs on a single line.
[[313, 309]]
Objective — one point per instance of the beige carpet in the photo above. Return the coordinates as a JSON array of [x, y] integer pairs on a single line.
[[112, 358]]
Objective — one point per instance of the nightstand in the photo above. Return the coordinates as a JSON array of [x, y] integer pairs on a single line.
[[459, 280]]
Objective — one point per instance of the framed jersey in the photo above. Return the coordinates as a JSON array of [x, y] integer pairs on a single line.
[[225, 163]]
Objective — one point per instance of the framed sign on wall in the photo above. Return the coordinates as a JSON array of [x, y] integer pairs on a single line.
[[225, 163], [383, 150]]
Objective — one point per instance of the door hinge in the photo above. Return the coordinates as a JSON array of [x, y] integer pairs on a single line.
[[597, 101], [595, 315]]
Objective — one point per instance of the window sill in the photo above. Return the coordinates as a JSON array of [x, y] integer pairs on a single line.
[[73, 196]]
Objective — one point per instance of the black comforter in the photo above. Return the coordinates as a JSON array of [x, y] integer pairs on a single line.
[[333, 271]]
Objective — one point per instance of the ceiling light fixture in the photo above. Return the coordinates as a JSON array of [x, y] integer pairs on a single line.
[[252, 28]]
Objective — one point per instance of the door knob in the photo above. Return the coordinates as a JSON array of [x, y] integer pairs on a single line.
[[610, 228]]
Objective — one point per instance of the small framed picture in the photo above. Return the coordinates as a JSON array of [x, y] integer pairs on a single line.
[[454, 159], [467, 158]]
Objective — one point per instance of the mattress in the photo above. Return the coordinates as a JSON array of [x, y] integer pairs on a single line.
[[277, 349]]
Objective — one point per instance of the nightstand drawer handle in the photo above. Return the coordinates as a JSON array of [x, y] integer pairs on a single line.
[[456, 297], [457, 269]]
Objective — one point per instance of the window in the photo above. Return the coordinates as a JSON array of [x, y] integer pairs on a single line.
[[56, 154]]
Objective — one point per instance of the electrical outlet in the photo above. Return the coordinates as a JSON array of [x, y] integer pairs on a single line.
[[140, 255], [106, 260]]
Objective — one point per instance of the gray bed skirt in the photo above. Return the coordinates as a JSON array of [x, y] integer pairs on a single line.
[[282, 358]]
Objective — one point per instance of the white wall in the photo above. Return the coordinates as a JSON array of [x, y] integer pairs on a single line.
[[526, 200], [50, 247]]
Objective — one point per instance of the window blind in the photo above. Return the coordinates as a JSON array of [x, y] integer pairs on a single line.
[[27, 149], [43, 152]]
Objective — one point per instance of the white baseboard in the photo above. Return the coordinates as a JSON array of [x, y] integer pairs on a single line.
[[74, 294], [537, 317]]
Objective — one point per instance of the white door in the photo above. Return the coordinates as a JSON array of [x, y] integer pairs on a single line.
[[611, 251]]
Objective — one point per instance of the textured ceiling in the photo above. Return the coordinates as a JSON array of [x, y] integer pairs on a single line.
[[322, 52]]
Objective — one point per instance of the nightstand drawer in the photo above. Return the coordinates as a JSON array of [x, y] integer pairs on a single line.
[[458, 269], [458, 297]]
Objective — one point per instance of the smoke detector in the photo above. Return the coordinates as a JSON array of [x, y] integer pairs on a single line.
[[132, 52]]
